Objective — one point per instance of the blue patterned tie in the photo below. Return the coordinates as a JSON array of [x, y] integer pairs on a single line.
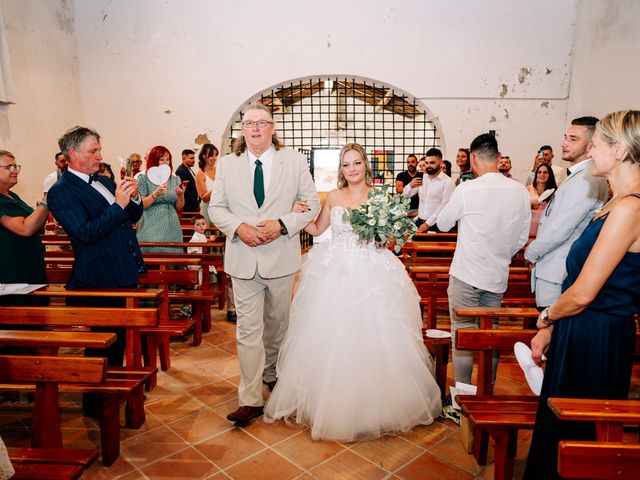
[[258, 183]]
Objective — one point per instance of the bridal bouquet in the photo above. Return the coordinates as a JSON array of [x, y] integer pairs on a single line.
[[382, 218]]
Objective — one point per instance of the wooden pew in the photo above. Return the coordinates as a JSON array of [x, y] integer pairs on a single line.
[[607, 457], [47, 376], [62, 463], [484, 410], [132, 319], [432, 283]]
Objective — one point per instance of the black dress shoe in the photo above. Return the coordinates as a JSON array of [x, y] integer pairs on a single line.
[[232, 317], [271, 385], [244, 414]]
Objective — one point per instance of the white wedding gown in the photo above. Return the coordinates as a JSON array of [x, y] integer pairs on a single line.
[[352, 365]]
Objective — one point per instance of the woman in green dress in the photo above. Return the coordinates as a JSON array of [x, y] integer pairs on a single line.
[[22, 258], [160, 221]]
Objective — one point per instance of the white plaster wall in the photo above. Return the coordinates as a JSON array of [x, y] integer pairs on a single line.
[[163, 72], [41, 42], [606, 70]]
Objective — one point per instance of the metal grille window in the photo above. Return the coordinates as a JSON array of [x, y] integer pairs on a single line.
[[326, 113]]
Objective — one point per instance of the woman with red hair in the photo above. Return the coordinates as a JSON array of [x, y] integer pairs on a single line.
[[160, 221]]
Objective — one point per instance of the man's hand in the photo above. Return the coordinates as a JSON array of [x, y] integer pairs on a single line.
[[540, 344], [270, 229], [416, 182], [135, 195], [423, 227], [124, 192], [251, 235]]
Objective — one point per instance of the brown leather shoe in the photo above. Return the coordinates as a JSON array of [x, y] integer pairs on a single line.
[[244, 414], [271, 385]]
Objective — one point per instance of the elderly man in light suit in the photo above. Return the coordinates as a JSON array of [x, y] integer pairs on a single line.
[[251, 203], [567, 214]]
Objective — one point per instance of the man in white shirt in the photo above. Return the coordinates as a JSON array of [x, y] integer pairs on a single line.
[[434, 190], [61, 165], [493, 214], [567, 214]]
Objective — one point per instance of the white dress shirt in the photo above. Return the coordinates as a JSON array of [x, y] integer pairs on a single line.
[[433, 193], [494, 215], [266, 158], [102, 190]]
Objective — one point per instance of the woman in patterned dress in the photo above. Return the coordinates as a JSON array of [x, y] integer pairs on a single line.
[[160, 221]]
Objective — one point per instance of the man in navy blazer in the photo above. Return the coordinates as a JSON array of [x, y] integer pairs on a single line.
[[98, 218]]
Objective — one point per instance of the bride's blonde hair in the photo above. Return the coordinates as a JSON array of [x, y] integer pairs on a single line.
[[368, 175]]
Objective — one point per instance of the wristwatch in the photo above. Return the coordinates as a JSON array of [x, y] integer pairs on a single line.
[[283, 228], [544, 316]]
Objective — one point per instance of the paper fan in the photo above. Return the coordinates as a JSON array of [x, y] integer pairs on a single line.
[[159, 175], [533, 373]]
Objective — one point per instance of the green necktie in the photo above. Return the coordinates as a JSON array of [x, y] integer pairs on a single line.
[[258, 183]]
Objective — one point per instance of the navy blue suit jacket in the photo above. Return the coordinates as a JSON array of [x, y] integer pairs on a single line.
[[191, 199], [106, 251]]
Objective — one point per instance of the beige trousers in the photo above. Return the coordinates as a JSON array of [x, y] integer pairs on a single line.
[[262, 305]]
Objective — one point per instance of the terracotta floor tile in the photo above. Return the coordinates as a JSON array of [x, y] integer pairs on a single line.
[[162, 391], [200, 425], [388, 452], [428, 466], [149, 447], [450, 449], [188, 379], [219, 476], [179, 361], [216, 338], [135, 475], [98, 472], [270, 465], [271, 433], [305, 452], [235, 379], [174, 407], [224, 368], [206, 353], [185, 464], [81, 438], [230, 347], [226, 408], [348, 465], [215, 393], [427, 435], [150, 423], [229, 447]]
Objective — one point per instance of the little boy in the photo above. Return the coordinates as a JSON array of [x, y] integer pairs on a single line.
[[199, 236]]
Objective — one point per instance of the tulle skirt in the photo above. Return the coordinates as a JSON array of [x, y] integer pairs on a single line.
[[353, 365]]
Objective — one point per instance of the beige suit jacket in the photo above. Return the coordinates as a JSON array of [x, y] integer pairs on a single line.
[[232, 203]]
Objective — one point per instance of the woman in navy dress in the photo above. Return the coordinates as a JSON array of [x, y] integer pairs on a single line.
[[589, 334]]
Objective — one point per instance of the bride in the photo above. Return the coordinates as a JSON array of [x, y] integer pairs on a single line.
[[352, 365]]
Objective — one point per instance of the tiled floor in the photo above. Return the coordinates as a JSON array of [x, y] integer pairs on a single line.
[[186, 434]]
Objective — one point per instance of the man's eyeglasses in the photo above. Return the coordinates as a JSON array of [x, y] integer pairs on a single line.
[[259, 123], [12, 168]]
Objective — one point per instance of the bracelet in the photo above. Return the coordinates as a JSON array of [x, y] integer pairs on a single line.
[[43, 204]]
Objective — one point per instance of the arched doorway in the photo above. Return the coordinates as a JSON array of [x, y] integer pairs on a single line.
[[318, 115]]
